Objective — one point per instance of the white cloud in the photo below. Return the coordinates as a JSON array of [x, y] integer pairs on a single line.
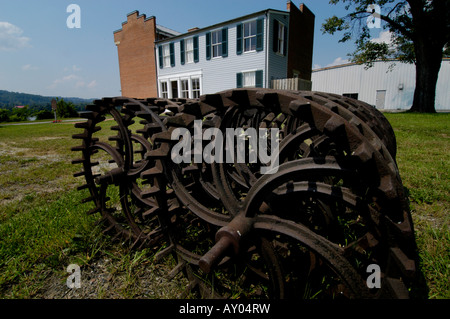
[[65, 79], [338, 61], [11, 38], [92, 85], [72, 81], [385, 36], [29, 67]]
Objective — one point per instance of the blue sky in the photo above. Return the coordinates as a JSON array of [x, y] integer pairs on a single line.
[[39, 54]]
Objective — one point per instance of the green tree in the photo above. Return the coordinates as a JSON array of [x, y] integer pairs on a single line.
[[20, 114], [420, 34], [4, 115], [44, 115], [65, 109]]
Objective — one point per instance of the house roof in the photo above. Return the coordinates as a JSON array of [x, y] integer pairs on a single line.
[[167, 30]]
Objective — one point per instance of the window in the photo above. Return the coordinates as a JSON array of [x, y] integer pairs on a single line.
[[250, 36], [281, 32], [217, 43], [216, 37], [196, 88], [279, 37], [248, 79], [164, 90], [190, 50], [166, 55], [184, 88]]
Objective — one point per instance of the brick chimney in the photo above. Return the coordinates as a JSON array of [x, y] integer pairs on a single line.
[[301, 40], [288, 4], [136, 49]]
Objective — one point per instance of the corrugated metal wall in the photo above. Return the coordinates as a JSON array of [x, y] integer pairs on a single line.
[[398, 82]]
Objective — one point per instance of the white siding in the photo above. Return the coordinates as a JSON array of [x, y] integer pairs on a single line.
[[219, 73], [399, 83], [277, 63]]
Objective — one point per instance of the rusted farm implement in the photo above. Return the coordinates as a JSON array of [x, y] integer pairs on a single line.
[[335, 206]]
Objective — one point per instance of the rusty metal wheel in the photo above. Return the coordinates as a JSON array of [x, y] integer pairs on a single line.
[[309, 228], [105, 159], [125, 160], [322, 205]]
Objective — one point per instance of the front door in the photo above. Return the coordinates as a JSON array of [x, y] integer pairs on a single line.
[[174, 89]]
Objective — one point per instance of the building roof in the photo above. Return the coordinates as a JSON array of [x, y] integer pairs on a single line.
[[248, 16], [354, 63], [167, 30]]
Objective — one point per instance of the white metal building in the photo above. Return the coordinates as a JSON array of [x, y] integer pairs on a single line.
[[387, 89]]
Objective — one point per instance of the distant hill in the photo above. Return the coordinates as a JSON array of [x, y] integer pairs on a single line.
[[9, 100]]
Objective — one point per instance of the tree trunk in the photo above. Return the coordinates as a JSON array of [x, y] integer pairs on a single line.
[[428, 53]]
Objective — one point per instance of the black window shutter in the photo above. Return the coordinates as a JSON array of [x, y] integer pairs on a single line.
[[161, 60], [259, 79], [285, 41], [276, 25], [239, 79], [182, 52], [172, 54], [196, 55], [208, 46], [239, 38], [225, 42], [259, 34]]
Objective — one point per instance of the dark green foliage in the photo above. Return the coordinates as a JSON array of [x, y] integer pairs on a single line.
[[65, 109], [37, 105]]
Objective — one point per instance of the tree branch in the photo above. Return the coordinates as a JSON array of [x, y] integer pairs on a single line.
[[393, 9], [397, 26], [387, 19]]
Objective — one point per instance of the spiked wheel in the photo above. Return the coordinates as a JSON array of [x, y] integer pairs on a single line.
[[308, 228], [105, 160], [322, 217]]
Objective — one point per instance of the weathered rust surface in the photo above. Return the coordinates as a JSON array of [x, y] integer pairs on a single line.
[[335, 206]]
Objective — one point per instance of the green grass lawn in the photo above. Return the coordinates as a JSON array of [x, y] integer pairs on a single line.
[[423, 148], [44, 228]]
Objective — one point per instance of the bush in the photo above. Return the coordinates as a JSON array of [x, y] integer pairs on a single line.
[[44, 115], [4, 115]]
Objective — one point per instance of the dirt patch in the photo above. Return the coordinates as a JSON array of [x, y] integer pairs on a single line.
[[102, 280]]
